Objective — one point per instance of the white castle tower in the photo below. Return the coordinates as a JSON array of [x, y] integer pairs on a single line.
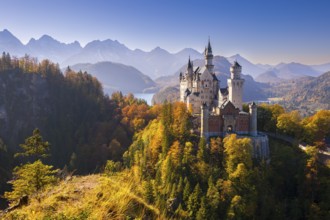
[[186, 81], [209, 57], [235, 85]]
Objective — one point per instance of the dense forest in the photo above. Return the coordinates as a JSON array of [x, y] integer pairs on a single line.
[[190, 179], [149, 164], [85, 127]]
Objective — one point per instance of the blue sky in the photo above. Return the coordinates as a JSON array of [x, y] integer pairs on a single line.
[[263, 31]]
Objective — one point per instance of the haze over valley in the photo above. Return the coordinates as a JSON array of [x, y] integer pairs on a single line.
[[137, 71]]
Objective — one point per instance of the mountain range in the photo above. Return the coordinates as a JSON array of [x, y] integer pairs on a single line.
[[155, 63]]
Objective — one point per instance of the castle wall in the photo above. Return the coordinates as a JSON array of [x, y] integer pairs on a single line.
[[215, 125], [260, 145], [243, 124]]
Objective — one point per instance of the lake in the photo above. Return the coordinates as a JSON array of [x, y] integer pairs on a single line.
[[145, 96]]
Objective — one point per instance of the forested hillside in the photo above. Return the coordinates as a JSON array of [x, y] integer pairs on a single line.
[[170, 173], [312, 94], [149, 162], [306, 94], [84, 127]]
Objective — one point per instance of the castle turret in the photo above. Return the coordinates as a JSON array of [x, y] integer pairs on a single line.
[[205, 121], [209, 57], [235, 85], [186, 81], [190, 69], [253, 119], [190, 74]]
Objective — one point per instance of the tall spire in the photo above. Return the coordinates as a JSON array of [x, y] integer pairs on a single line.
[[209, 57], [189, 64], [209, 48]]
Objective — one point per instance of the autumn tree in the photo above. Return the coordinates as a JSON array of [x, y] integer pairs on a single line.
[[268, 116], [29, 179], [317, 128], [290, 124], [238, 157]]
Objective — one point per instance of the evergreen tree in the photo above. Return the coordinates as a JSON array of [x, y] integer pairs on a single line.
[[202, 153], [34, 146], [194, 201], [29, 179], [148, 191], [186, 191], [203, 212], [212, 198]]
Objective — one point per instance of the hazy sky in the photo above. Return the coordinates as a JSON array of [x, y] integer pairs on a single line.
[[264, 31]]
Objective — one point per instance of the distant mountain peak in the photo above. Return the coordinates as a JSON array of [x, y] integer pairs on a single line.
[[236, 56], [157, 49], [6, 31], [46, 37], [7, 34], [10, 43]]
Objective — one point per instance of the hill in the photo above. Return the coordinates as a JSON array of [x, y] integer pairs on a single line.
[[170, 172], [117, 77], [269, 76], [84, 126], [310, 95], [287, 71], [88, 197], [322, 67], [170, 94]]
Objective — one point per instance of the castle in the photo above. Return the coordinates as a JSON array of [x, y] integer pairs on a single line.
[[218, 111]]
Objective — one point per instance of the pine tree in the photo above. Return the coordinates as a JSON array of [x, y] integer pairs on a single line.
[[34, 146], [194, 201], [186, 191], [29, 179], [179, 189], [203, 212], [202, 151], [166, 119], [212, 198], [148, 191]]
